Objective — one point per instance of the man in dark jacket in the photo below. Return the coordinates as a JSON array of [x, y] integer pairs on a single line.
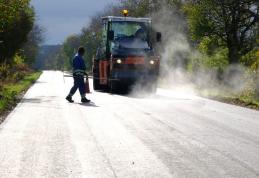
[[78, 75]]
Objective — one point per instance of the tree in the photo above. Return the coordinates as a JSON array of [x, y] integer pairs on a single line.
[[16, 21], [31, 48], [89, 37], [70, 47], [231, 21]]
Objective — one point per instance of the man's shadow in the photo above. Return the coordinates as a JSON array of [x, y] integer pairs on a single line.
[[90, 104]]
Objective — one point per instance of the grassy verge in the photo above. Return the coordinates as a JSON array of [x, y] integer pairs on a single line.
[[10, 91], [243, 101]]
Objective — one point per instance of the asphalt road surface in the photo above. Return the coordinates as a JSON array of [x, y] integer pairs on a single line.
[[164, 135]]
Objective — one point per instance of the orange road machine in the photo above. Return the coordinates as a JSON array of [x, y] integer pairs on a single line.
[[126, 55]]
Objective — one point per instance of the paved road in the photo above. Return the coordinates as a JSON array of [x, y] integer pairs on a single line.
[[166, 135]]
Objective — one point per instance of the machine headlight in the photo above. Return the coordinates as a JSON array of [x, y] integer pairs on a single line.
[[118, 61], [152, 62]]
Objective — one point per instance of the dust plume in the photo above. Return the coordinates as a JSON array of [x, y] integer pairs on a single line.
[[176, 52]]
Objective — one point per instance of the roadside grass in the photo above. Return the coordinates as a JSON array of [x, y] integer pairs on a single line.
[[10, 92], [244, 101]]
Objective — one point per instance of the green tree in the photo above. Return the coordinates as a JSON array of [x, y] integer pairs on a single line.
[[31, 48], [91, 38], [16, 21], [230, 21], [70, 47]]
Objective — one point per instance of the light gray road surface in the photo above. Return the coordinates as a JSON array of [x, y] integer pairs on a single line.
[[166, 135]]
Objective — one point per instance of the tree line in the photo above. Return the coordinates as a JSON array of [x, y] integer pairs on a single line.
[[20, 36], [210, 25]]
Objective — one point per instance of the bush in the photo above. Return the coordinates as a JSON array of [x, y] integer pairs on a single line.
[[251, 59], [216, 62], [4, 71], [15, 72]]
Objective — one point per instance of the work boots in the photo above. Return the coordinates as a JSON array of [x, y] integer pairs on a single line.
[[85, 100], [69, 99]]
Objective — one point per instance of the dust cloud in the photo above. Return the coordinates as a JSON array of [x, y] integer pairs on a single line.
[[176, 50]]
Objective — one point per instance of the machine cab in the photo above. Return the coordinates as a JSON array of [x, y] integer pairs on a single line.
[[125, 36]]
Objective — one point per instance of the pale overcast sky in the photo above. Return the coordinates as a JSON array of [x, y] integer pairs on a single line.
[[61, 18]]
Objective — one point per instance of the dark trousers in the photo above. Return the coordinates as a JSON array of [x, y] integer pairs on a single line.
[[78, 84]]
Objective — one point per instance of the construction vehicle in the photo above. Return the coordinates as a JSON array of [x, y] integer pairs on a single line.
[[126, 55]]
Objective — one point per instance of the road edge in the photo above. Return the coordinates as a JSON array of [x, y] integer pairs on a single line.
[[17, 98]]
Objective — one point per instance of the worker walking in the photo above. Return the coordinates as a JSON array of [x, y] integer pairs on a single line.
[[78, 76]]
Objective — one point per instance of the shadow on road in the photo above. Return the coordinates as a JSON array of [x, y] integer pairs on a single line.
[[39, 99], [40, 82], [91, 104], [31, 100]]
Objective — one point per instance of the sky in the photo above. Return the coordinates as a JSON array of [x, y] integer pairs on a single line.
[[61, 18]]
